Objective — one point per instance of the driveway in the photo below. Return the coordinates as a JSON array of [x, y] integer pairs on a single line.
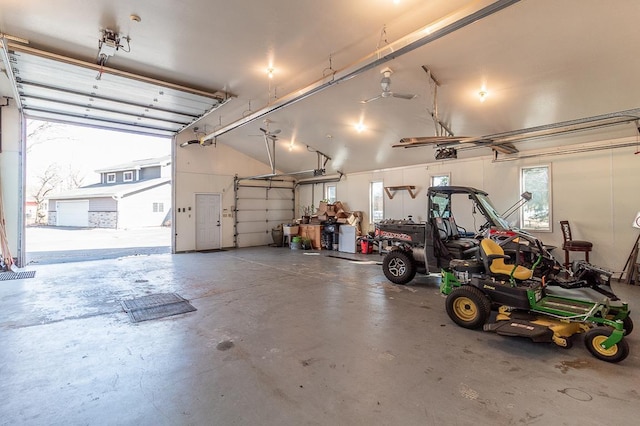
[[45, 244]]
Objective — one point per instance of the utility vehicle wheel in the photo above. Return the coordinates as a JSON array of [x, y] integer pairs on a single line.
[[399, 267], [468, 307], [596, 336]]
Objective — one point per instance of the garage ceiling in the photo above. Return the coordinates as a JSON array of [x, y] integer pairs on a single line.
[[541, 62]]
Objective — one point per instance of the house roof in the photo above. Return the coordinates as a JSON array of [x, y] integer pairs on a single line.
[[138, 164], [116, 191]]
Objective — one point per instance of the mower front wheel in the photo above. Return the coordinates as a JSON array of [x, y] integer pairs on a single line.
[[468, 307], [399, 267], [594, 338]]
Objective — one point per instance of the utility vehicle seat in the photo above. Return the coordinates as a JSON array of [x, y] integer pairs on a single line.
[[448, 233], [493, 257]]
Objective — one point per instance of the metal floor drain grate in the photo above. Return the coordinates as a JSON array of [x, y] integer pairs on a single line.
[[5, 276], [156, 306]]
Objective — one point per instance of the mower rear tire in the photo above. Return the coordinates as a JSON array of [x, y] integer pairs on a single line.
[[468, 307], [596, 336], [627, 323], [399, 267]]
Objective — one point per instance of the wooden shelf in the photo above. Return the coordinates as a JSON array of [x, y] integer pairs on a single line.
[[391, 190]]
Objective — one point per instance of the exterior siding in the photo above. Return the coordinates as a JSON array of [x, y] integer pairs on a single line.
[[137, 210], [150, 173], [106, 204]]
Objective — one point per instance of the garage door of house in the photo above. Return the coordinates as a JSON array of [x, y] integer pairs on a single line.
[[261, 206], [73, 213]]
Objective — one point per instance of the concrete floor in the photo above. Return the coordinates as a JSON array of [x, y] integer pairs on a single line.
[[281, 338]]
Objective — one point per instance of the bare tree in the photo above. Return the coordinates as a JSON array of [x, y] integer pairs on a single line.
[[48, 181], [44, 131], [73, 179]]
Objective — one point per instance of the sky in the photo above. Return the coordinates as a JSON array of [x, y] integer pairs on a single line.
[[86, 149]]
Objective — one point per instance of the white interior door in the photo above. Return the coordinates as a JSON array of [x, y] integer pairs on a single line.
[[208, 227]]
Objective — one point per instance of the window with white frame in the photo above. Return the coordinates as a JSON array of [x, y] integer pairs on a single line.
[[330, 193], [127, 176], [158, 207], [535, 215], [111, 178], [376, 201], [440, 180]]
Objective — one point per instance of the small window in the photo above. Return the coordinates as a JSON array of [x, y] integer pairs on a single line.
[[535, 215], [330, 193], [440, 180], [158, 207], [376, 201], [127, 176], [111, 178]]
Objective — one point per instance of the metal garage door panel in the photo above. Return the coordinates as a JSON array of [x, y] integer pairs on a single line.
[[33, 106], [258, 210], [72, 213], [59, 88]]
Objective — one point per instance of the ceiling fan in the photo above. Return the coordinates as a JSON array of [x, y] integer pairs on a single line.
[[386, 88], [271, 134]]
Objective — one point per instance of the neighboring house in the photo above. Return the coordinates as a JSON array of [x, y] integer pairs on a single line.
[[31, 211], [129, 195]]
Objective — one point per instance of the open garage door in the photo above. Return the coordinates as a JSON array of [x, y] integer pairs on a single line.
[[260, 206], [73, 213], [53, 87]]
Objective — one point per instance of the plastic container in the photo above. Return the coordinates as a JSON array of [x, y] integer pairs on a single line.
[[296, 243], [366, 246]]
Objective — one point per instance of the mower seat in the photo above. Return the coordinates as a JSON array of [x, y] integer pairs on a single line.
[[493, 257]]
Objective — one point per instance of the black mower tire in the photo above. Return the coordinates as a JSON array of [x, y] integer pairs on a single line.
[[627, 324], [468, 307], [399, 267], [594, 337]]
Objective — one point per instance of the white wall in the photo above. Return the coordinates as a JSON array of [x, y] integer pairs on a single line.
[[10, 178], [208, 169], [137, 210], [596, 191]]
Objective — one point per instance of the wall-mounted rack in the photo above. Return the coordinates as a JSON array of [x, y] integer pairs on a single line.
[[391, 190]]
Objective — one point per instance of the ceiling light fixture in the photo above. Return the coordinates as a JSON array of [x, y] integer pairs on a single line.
[[360, 127], [482, 94], [270, 71]]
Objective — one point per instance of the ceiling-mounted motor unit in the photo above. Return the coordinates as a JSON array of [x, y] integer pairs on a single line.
[[109, 44], [446, 154]]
